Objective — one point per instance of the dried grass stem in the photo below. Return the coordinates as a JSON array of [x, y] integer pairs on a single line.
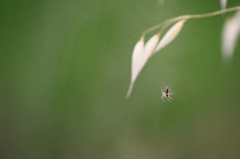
[[170, 21]]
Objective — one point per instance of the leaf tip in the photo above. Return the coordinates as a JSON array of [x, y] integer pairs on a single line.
[[129, 90]]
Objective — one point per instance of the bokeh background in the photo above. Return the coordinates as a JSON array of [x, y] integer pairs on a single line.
[[65, 72]]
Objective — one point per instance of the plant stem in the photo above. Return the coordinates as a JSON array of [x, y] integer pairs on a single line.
[[172, 20]]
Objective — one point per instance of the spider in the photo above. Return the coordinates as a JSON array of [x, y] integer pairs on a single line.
[[166, 94]]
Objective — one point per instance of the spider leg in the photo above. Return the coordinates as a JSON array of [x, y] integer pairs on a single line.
[[168, 99], [162, 98]]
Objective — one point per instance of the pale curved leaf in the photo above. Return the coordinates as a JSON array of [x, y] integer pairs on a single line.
[[140, 56], [149, 49], [136, 63], [170, 35], [223, 4], [230, 33]]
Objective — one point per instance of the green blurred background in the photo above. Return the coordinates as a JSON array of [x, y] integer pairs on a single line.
[[65, 71]]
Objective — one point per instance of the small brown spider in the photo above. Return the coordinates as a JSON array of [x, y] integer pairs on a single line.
[[166, 94]]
